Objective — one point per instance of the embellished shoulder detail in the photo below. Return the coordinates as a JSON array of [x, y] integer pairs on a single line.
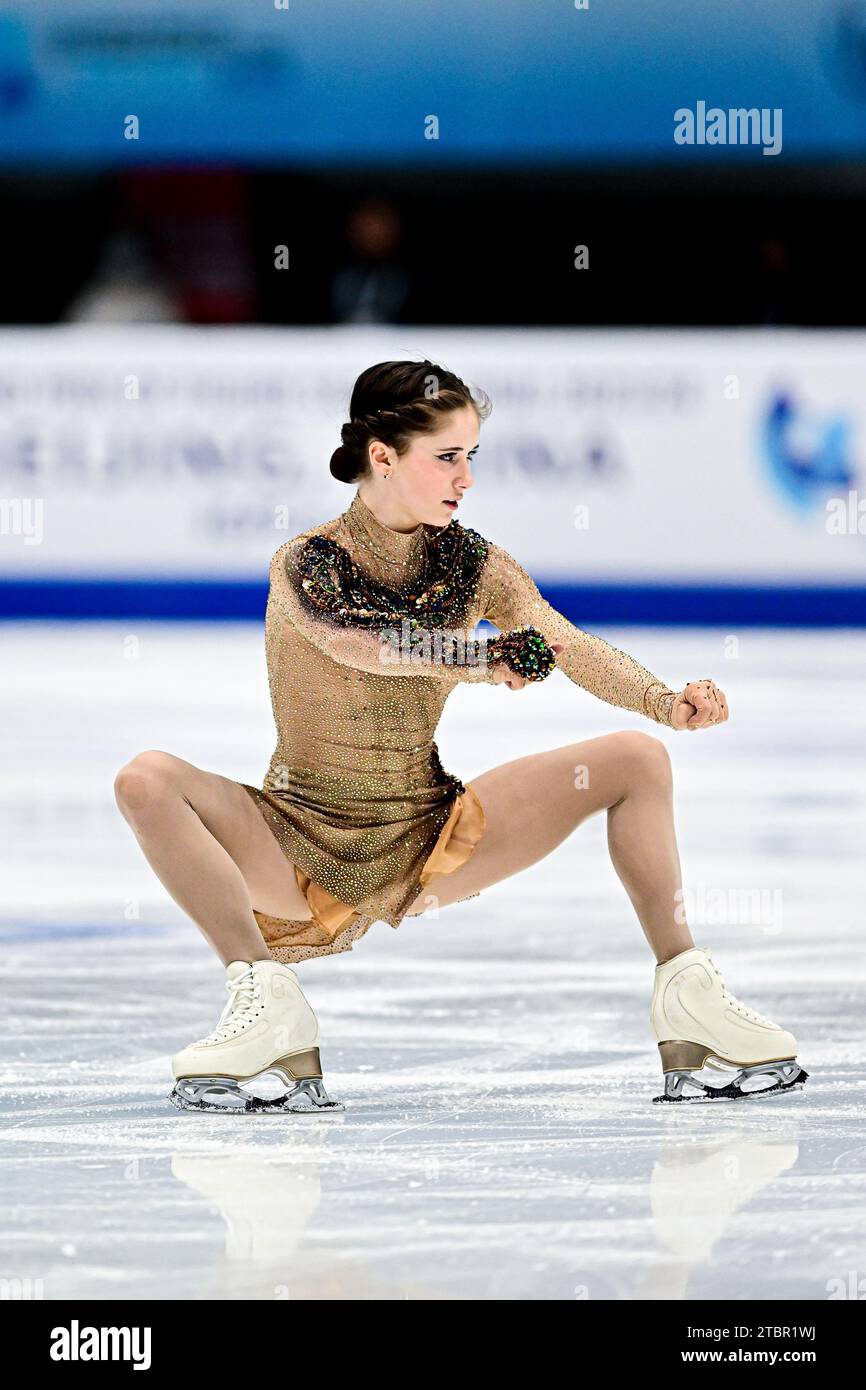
[[332, 585]]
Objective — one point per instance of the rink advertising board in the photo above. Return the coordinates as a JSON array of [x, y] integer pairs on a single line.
[[615, 465]]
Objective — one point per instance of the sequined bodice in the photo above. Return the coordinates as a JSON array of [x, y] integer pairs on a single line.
[[346, 712]]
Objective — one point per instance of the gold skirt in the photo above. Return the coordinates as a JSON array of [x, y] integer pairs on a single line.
[[334, 925]]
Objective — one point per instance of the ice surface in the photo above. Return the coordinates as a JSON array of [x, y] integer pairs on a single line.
[[496, 1063]]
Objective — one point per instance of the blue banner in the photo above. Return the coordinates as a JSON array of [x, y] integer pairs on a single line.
[[504, 83]]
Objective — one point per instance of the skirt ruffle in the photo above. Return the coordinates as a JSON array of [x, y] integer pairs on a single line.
[[335, 925]]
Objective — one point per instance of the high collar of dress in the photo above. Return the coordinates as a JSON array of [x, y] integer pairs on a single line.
[[397, 545]]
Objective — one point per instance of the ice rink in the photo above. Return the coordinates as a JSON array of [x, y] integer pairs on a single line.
[[496, 1063]]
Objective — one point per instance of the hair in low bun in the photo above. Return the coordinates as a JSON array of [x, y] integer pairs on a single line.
[[345, 465], [394, 400]]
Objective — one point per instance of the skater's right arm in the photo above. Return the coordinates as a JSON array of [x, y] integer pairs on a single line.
[[307, 590]]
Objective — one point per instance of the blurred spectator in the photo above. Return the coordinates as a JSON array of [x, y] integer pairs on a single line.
[[196, 221], [775, 286], [372, 287], [126, 287]]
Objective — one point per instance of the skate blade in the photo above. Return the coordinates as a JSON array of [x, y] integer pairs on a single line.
[[224, 1096], [707, 1094]]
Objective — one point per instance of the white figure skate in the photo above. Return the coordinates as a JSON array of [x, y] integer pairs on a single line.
[[713, 1047], [267, 1031]]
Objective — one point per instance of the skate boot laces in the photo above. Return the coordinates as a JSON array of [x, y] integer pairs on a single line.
[[243, 1006], [736, 1004]]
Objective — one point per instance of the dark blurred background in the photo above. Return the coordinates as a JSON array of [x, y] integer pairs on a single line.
[[664, 247], [312, 127]]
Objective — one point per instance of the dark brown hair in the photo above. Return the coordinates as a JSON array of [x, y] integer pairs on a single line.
[[395, 400]]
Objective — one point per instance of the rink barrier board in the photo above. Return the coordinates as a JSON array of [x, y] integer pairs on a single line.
[[184, 600]]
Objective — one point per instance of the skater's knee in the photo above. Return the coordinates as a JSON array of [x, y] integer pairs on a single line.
[[143, 780], [647, 756]]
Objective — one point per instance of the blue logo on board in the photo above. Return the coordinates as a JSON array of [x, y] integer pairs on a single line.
[[809, 457]]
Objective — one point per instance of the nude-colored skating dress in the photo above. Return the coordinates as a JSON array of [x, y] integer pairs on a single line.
[[364, 641]]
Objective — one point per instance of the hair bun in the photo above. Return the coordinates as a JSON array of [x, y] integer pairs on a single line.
[[344, 464]]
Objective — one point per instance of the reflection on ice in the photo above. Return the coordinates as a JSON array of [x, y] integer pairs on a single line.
[[695, 1190]]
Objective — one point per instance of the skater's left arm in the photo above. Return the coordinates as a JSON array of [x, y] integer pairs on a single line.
[[511, 599]]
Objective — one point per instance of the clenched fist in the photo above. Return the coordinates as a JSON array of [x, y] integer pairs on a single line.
[[701, 704]]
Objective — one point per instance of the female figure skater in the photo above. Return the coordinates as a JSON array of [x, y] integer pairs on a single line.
[[368, 629]]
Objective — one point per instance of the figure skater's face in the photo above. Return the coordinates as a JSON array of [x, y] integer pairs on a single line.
[[428, 481]]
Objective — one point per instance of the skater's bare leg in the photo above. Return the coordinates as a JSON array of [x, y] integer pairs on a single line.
[[212, 849], [534, 803]]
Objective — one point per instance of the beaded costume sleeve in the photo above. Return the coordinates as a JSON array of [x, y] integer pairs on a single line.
[[512, 600], [362, 623]]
